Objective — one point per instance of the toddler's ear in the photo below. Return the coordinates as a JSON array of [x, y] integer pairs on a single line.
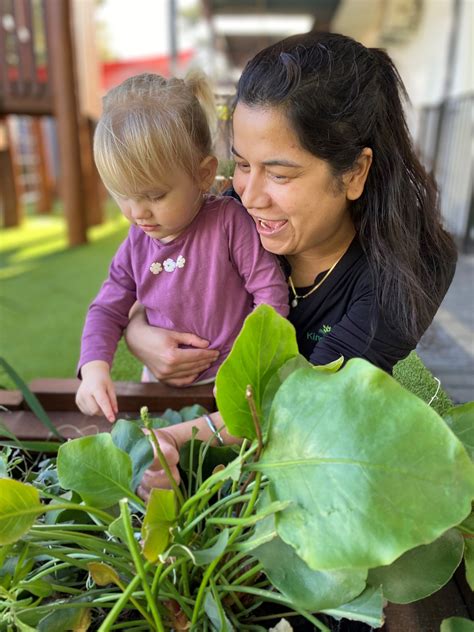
[[207, 173]]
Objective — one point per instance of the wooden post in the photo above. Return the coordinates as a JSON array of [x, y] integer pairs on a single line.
[[11, 206], [94, 199], [61, 63], [45, 203]]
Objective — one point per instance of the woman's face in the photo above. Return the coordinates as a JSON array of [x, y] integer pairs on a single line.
[[298, 206]]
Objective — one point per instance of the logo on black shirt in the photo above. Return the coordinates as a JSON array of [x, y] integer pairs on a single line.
[[316, 337]]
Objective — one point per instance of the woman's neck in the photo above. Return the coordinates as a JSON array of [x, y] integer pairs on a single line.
[[306, 266]]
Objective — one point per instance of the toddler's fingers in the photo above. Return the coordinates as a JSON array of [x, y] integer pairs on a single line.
[[90, 406], [105, 405], [112, 398]]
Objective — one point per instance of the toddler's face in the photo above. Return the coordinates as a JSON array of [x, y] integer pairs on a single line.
[[163, 213]]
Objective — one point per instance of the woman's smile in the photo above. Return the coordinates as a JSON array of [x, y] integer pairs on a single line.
[[270, 227]]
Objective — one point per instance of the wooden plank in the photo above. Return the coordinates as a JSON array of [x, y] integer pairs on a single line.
[[26, 427], [11, 400], [28, 105], [57, 395]]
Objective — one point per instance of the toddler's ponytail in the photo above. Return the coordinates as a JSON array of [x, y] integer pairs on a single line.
[[200, 85]]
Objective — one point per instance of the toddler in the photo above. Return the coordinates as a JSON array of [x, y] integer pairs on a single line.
[[194, 261]]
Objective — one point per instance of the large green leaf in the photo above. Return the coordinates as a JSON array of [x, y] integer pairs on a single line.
[[372, 470], [305, 588], [457, 624], [461, 421], [277, 379], [291, 365], [128, 437], [264, 344], [96, 469], [159, 518], [19, 507], [367, 607], [422, 571]]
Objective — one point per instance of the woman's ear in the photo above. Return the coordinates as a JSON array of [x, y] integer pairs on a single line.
[[355, 178], [207, 173]]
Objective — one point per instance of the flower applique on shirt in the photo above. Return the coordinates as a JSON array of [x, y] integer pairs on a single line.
[[168, 265]]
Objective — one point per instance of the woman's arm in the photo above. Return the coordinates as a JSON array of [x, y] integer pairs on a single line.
[[159, 349], [171, 440]]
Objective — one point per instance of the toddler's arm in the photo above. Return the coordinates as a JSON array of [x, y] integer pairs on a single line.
[[107, 316], [96, 394]]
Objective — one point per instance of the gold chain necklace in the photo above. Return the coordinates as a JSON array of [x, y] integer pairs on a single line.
[[296, 296]]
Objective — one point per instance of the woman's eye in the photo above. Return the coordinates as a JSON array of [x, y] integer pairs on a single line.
[[242, 166], [278, 177]]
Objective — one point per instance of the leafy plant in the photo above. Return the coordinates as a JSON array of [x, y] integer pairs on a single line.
[[346, 490]]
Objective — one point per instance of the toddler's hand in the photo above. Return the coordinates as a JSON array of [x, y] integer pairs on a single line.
[[96, 394]]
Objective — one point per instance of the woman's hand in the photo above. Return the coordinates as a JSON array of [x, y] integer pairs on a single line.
[[155, 476], [171, 439], [159, 350]]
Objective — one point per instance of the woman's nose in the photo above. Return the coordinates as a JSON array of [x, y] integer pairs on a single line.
[[253, 194]]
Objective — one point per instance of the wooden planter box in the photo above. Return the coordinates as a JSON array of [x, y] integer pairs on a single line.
[[57, 397]]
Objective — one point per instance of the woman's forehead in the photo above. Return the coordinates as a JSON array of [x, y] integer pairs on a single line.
[[266, 131]]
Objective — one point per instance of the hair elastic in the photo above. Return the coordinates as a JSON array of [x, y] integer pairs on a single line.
[[214, 430]]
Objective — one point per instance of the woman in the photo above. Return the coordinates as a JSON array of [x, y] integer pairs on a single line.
[[326, 168]]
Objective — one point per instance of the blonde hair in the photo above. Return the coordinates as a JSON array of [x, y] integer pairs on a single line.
[[151, 125]]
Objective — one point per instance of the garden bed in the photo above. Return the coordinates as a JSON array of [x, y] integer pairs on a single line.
[[57, 397]]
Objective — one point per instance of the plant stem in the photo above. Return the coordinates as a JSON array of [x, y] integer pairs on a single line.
[[164, 463], [267, 595], [133, 547], [138, 606], [256, 421], [184, 577], [119, 605], [235, 534]]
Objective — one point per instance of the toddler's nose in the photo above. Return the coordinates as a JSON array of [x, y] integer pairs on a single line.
[[139, 210]]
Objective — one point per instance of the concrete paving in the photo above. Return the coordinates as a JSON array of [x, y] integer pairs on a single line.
[[447, 348]]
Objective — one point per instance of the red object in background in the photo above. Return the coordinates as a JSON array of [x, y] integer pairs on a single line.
[[114, 72]]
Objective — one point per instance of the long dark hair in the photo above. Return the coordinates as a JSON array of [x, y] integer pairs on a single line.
[[340, 97]]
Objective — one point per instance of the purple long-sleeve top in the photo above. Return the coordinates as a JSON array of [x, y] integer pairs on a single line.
[[205, 281]]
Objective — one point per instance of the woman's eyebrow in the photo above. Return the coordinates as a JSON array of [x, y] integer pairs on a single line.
[[275, 162]]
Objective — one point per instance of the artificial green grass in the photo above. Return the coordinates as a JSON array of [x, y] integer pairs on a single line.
[[46, 287]]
